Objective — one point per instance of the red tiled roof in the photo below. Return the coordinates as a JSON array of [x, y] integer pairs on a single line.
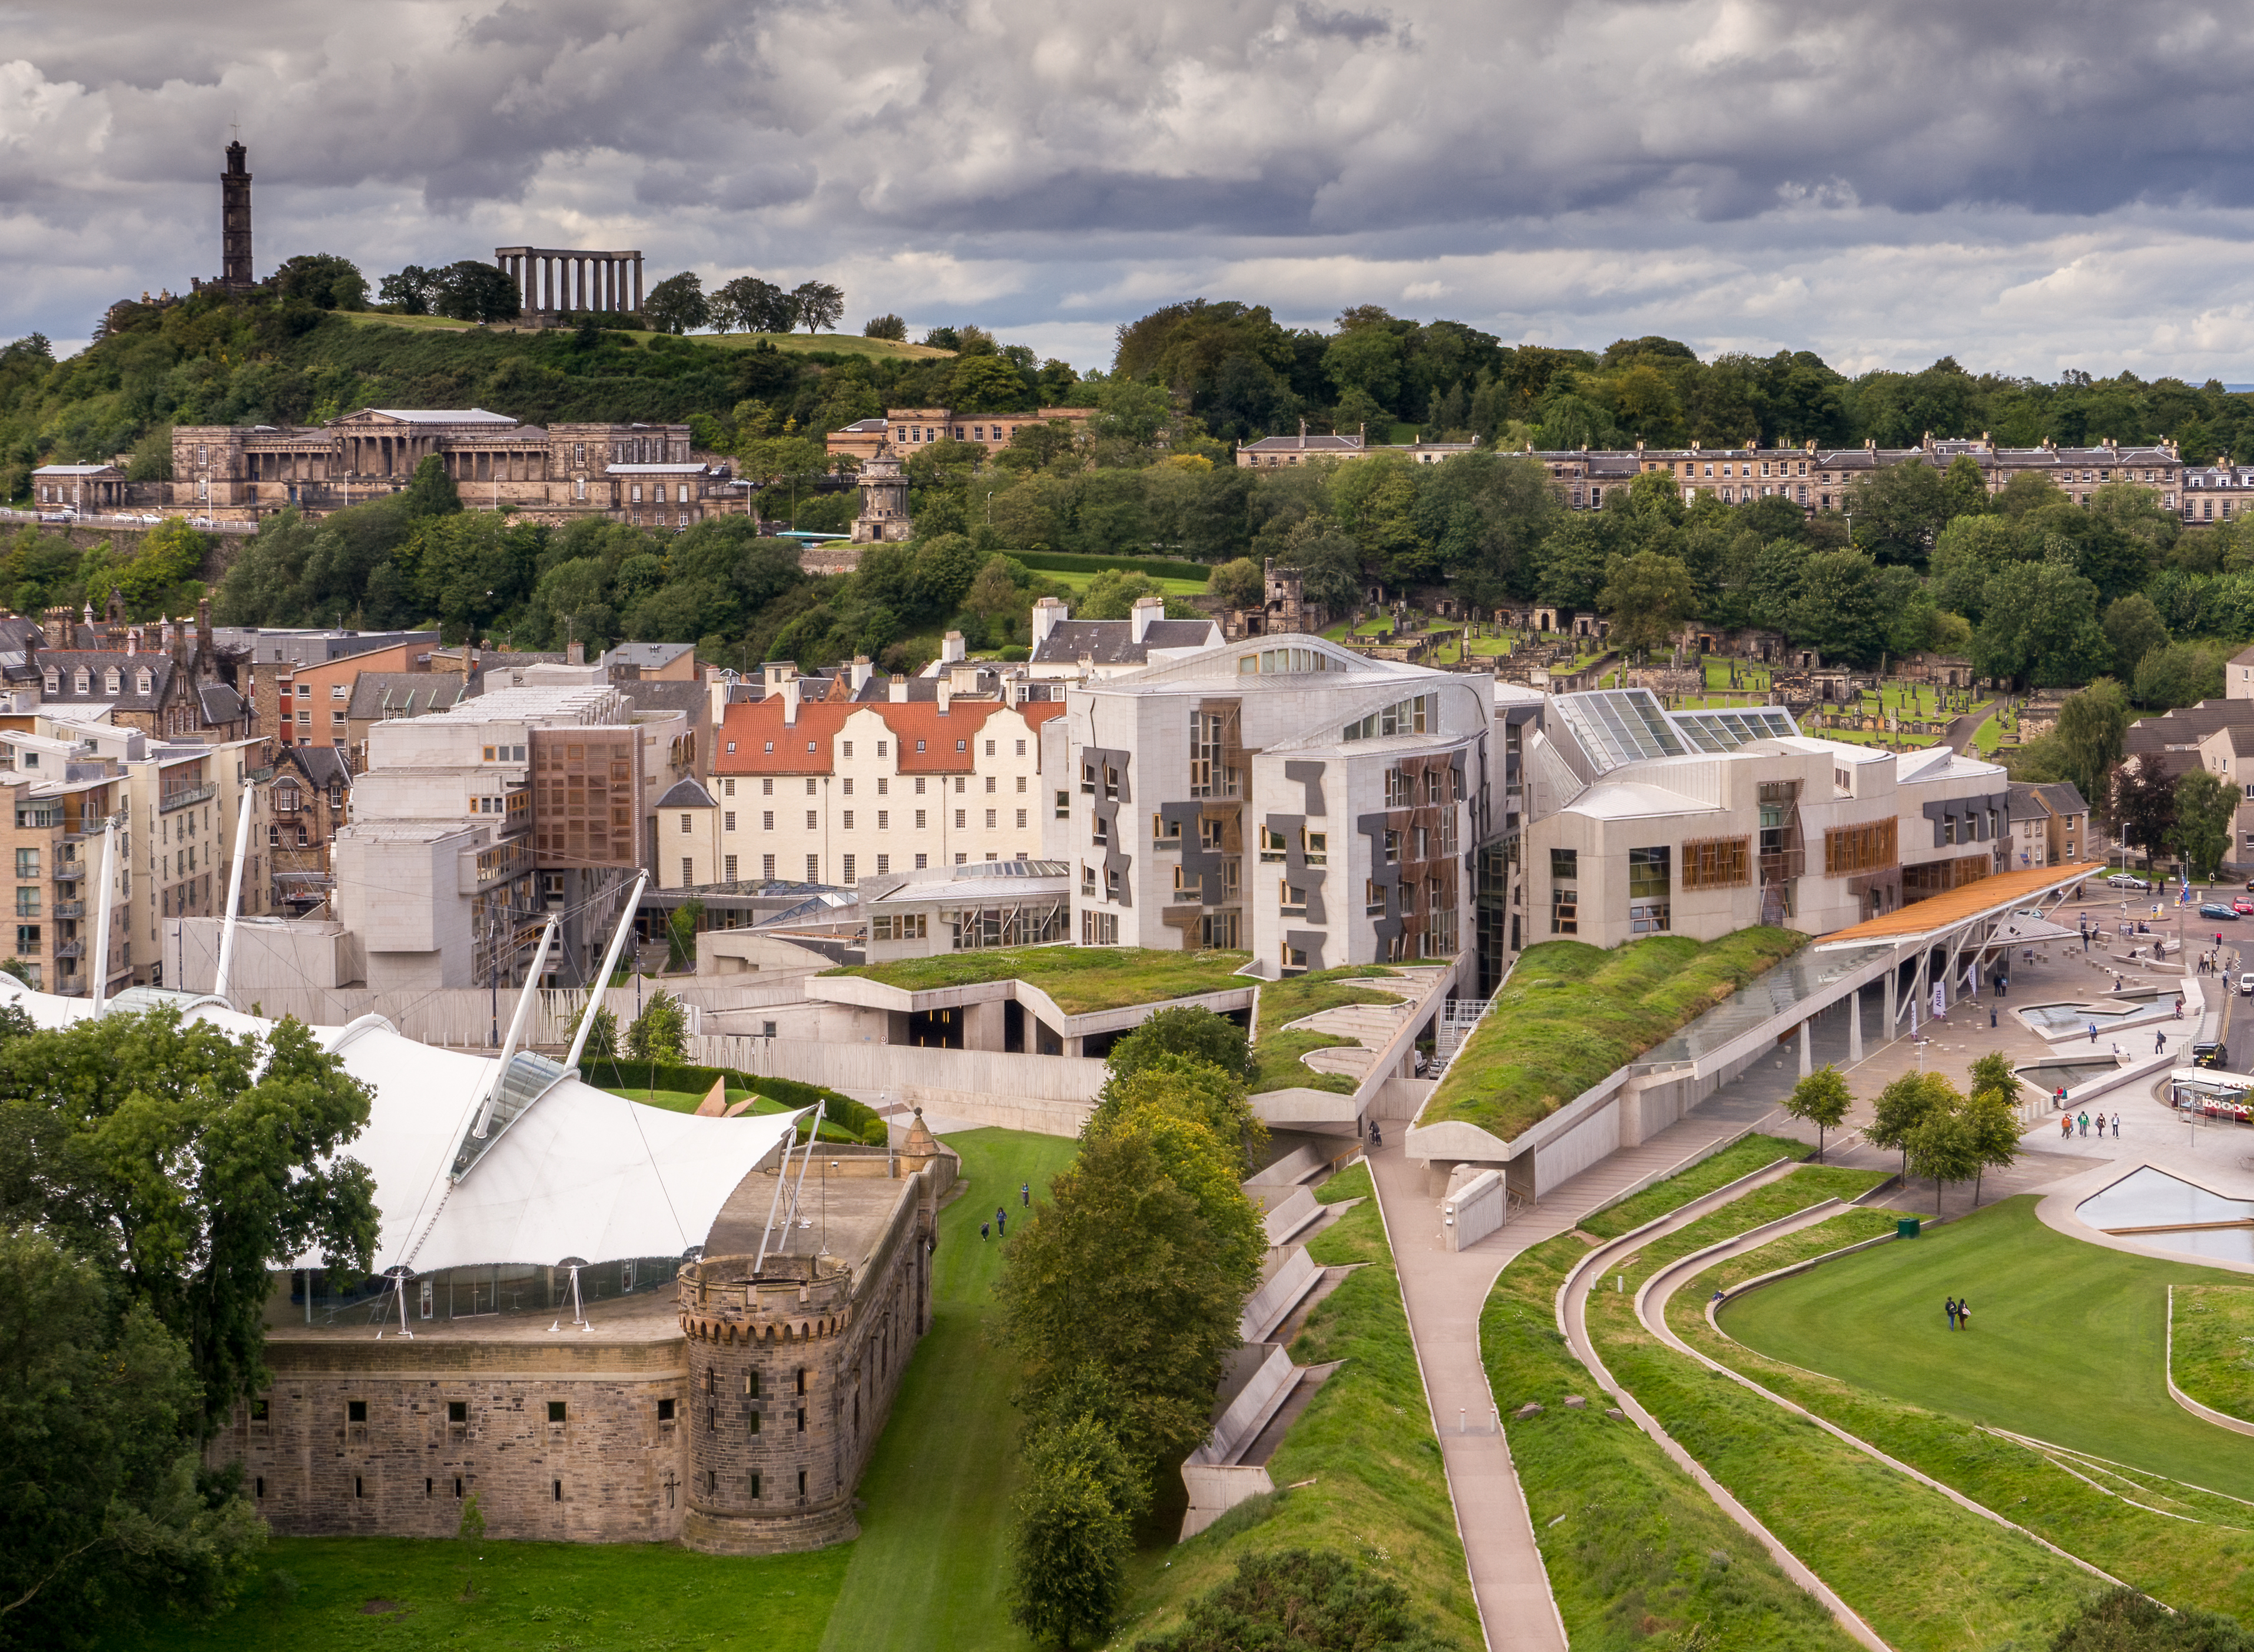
[[931, 742], [753, 739]]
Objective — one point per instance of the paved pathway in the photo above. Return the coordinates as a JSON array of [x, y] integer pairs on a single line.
[[1445, 1291]]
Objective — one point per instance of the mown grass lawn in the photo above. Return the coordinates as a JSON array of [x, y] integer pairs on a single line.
[[1081, 979], [313, 1594], [2181, 1545], [1975, 1587], [2068, 1341], [1573, 1014], [932, 1565]]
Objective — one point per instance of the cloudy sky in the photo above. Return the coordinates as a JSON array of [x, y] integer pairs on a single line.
[[2030, 187]]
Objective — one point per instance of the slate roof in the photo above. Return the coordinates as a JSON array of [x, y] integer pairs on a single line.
[[322, 765], [650, 656], [2031, 800], [685, 794], [220, 704], [97, 664], [1110, 642], [654, 694], [444, 416], [382, 694]]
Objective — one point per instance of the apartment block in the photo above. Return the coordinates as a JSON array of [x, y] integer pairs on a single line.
[[1282, 795], [832, 790]]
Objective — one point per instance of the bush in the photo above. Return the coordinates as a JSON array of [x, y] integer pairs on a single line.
[[2127, 1621], [1066, 562], [1186, 1030], [1317, 1599], [862, 1122], [886, 326]]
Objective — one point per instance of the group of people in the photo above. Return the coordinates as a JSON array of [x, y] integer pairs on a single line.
[[2213, 962], [2066, 1124], [1960, 1314], [1001, 1223]]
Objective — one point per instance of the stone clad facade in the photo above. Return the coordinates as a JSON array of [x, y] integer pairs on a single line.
[[733, 1413], [641, 474]]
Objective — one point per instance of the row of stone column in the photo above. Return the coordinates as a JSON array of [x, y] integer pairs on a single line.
[[553, 281]]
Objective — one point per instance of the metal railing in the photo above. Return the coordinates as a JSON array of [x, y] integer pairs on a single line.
[[185, 795]]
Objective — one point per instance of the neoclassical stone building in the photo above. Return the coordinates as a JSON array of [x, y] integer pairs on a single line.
[[641, 474]]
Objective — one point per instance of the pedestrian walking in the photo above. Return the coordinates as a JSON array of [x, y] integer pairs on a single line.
[[2066, 1125], [983, 1232], [2116, 1127], [2085, 1124], [1950, 1308], [1002, 1223], [2159, 1042], [1992, 1015], [1964, 1316], [2093, 1032], [1026, 1194]]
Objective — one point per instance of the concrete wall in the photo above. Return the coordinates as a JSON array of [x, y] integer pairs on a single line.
[[1473, 1211], [1053, 1094]]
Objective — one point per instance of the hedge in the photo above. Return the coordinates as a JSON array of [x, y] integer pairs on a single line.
[[1067, 562], [860, 1121]]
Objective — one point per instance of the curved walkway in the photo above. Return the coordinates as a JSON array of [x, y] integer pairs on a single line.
[[1572, 1319], [1651, 1310]]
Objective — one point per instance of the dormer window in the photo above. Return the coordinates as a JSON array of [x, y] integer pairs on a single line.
[[146, 680], [53, 682], [115, 680], [80, 681]]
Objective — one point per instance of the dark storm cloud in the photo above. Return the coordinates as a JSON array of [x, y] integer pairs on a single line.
[[1724, 160]]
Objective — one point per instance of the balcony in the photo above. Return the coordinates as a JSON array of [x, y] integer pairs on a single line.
[[70, 948], [70, 909], [69, 871], [181, 797]]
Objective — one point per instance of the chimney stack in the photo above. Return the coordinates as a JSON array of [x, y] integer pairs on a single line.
[[861, 673], [1048, 613], [575, 653], [789, 702], [1146, 610], [950, 648], [896, 691], [946, 695]]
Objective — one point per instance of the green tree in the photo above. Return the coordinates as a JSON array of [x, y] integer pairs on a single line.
[[680, 934], [1897, 510], [816, 305], [2142, 801], [1821, 1099], [2091, 727], [2040, 628], [1991, 1120], [99, 1409], [471, 289], [1075, 1533], [2178, 674], [603, 1035], [753, 305], [1964, 489], [1237, 584], [431, 491], [1187, 1030], [660, 1032], [885, 327], [167, 1153], [1119, 1268], [2133, 629], [323, 279], [1648, 596], [1112, 594], [2206, 806], [1943, 1145], [1901, 1107], [677, 304], [1838, 609]]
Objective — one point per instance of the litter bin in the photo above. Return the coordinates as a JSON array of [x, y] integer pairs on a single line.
[[1906, 1227]]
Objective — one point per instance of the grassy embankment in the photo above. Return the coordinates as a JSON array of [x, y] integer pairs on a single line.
[[2067, 1347], [1571, 1014], [1278, 1052], [1635, 1551], [2213, 1347], [1081, 979], [926, 1575], [794, 343], [1974, 1584], [1359, 1472]]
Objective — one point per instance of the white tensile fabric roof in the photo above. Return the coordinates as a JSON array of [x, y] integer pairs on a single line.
[[583, 1173]]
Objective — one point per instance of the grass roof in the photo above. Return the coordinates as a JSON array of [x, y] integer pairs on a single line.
[[1082, 980]]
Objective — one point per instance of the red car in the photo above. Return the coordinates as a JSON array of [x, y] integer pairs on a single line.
[[2241, 905]]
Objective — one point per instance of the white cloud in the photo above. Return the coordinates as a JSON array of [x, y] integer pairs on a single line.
[[2021, 186]]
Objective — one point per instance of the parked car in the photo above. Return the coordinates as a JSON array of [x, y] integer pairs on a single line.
[[2216, 909], [2129, 880]]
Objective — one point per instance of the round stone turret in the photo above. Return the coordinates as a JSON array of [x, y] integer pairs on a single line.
[[771, 1469]]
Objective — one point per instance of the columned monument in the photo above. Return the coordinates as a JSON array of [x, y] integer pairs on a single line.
[[883, 499], [553, 280]]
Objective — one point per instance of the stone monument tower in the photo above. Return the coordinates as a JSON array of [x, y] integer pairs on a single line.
[[235, 222], [883, 499]]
